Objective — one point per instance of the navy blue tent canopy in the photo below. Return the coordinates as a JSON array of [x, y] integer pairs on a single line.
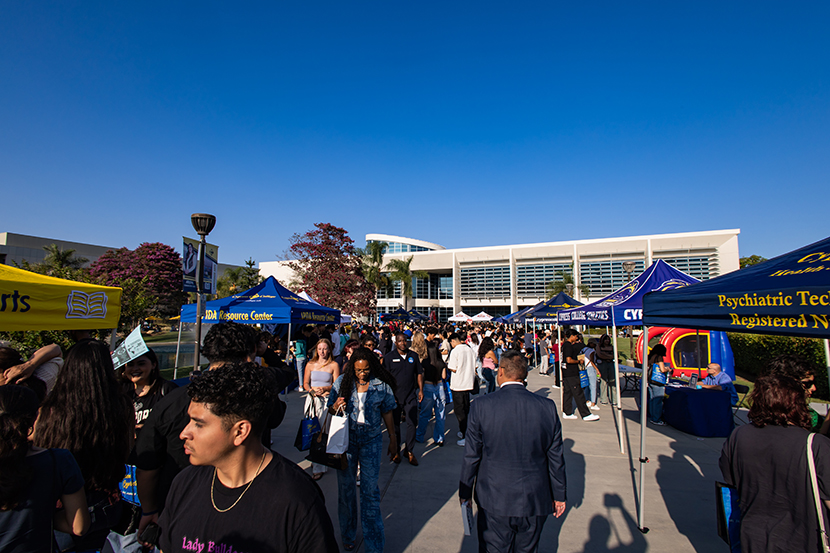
[[624, 306], [399, 314], [415, 316], [787, 296], [266, 303], [546, 312]]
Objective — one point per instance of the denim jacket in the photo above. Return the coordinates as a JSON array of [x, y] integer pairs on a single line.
[[379, 400]]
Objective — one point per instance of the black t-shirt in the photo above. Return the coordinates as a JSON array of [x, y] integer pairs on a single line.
[[405, 369], [283, 511], [572, 351], [144, 404]]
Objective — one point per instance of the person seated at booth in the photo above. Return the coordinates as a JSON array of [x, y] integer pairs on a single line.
[[719, 380]]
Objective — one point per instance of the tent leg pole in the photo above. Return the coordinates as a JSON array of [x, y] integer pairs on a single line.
[[827, 356], [643, 422], [559, 367], [699, 358], [618, 408], [535, 357], [113, 337], [178, 344]]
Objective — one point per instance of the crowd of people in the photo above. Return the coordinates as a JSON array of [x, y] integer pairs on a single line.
[[206, 475]]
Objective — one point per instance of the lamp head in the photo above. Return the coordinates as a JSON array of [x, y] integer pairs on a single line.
[[203, 223], [628, 266]]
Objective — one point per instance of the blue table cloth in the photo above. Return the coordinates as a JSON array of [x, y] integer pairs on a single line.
[[704, 413]]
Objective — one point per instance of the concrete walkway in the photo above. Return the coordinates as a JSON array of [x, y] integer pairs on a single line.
[[421, 510]]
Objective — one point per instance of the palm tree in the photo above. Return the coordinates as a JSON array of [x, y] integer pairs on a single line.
[[400, 270], [238, 279], [556, 286], [57, 260], [372, 258]]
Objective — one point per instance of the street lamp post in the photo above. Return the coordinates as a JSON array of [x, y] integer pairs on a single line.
[[202, 223], [628, 267]]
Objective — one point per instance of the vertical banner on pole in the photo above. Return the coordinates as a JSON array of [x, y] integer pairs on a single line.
[[190, 265]]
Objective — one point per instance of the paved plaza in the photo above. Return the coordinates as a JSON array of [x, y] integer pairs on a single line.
[[421, 510]]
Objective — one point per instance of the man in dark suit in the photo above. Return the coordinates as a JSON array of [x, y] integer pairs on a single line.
[[512, 510]]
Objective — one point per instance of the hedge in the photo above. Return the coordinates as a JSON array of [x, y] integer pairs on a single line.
[[753, 351]]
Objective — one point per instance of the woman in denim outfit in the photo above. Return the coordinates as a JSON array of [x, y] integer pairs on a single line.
[[366, 391]]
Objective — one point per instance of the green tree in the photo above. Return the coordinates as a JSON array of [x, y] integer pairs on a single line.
[[329, 269], [401, 270], [57, 258], [58, 263], [751, 260], [372, 257], [238, 279], [560, 283]]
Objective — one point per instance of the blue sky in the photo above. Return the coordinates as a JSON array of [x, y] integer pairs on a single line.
[[465, 124]]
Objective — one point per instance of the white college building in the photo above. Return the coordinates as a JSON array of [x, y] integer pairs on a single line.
[[504, 279]]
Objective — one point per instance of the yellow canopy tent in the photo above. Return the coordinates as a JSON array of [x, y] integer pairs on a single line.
[[30, 301]]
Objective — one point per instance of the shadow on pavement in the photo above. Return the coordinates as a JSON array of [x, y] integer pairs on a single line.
[[602, 529]]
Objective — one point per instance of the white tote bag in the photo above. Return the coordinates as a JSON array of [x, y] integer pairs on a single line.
[[338, 433]]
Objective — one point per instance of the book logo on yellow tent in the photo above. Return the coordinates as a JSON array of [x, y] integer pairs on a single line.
[[80, 305]]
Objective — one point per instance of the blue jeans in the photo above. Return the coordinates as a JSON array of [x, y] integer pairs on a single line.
[[300, 369], [367, 451], [434, 400], [592, 384], [655, 402], [490, 378]]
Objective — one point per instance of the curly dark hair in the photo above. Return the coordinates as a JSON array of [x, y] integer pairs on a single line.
[[229, 342], [237, 391], [18, 411], [779, 400], [88, 414], [485, 347], [794, 366], [376, 370]]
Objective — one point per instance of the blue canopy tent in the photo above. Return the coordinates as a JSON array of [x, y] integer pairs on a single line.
[[399, 314], [267, 303], [546, 312], [786, 296], [506, 318], [625, 306], [415, 316]]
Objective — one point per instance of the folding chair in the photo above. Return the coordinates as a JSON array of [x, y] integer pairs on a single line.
[[743, 391]]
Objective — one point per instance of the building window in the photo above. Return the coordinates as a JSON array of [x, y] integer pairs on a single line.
[[532, 280], [603, 277], [485, 282], [697, 267], [420, 288], [444, 313], [398, 247], [440, 287], [396, 291]]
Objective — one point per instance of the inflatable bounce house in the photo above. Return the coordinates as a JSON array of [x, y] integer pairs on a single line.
[[682, 347]]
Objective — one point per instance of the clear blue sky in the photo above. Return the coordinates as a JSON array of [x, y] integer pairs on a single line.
[[465, 124]]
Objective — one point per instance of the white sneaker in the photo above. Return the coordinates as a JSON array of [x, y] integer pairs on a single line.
[[591, 417], [461, 442], [566, 416], [554, 386], [594, 407], [460, 435]]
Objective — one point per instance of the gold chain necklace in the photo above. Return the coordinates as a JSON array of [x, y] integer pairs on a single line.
[[213, 485]]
